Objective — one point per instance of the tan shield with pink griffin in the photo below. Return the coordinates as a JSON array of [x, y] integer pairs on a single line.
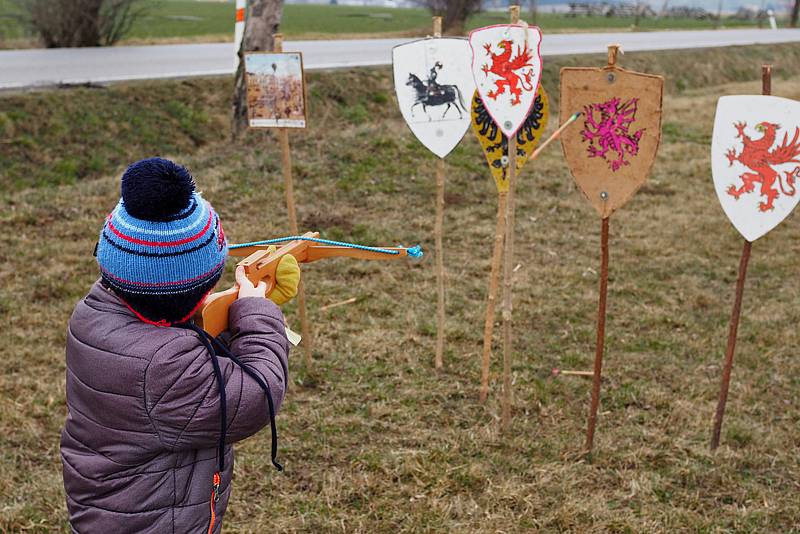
[[612, 148]]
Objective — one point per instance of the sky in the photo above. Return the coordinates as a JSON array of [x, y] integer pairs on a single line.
[[286, 63]]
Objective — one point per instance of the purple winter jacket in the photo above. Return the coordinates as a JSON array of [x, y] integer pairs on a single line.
[[139, 446]]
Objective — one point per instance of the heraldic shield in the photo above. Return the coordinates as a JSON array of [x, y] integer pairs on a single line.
[[433, 82], [495, 144], [612, 149], [755, 160], [507, 66]]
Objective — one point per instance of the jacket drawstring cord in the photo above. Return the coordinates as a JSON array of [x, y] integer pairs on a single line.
[[215, 347], [264, 385]]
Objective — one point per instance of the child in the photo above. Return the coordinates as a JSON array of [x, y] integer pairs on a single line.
[[146, 446]]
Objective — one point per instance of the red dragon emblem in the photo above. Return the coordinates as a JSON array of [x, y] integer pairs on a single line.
[[757, 156], [504, 66]]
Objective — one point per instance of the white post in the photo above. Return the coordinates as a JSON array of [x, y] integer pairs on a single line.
[[238, 32], [772, 23]]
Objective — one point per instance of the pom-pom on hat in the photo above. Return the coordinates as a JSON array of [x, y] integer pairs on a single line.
[[162, 249]]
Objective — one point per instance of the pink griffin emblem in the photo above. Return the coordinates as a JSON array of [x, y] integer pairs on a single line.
[[607, 130]]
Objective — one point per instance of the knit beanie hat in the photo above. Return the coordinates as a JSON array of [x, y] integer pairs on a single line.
[[162, 249]]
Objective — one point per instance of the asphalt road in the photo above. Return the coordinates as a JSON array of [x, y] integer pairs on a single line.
[[21, 69]]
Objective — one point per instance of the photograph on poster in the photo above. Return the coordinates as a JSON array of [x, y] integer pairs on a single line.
[[275, 90]]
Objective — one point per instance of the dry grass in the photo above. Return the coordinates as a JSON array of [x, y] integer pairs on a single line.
[[373, 439]]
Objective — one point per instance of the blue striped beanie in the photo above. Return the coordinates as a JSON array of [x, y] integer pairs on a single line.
[[162, 249]]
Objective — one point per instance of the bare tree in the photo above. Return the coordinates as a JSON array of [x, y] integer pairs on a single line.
[[71, 23], [454, 13], [795, 12], [262, 21]]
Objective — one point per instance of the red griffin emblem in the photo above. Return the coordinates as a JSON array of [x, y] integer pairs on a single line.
[[504, 66], [757, 156]]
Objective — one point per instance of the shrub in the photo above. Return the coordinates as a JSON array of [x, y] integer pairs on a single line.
[[74, 23]]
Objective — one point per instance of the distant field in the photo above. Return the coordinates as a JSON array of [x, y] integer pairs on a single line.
[[191, 20]]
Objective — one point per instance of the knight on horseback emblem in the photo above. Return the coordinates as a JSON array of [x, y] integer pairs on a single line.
[[433, 82], [431, 94]]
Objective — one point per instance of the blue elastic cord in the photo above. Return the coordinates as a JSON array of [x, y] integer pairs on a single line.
[[414, 252]]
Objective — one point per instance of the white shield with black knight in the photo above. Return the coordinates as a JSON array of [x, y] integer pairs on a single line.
[[755, 160], [433, 83], [507, 66]]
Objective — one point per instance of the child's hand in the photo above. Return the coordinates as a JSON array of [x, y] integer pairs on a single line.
[[246, 287]]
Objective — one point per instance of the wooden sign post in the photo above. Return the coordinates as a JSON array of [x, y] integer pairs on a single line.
[[431, 77], [286, 163], [507, 66], [610, 158], [752, 126]]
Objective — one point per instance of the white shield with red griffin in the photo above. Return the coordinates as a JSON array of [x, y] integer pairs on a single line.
[[507, 66], [433, 83], [755, 160]]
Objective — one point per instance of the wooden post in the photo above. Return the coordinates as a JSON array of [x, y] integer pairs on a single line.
[[508, 269], [766, 89], [494, 280], [601, 337], [437, 26], [286, 163], [437, 231], [600, 341], [437, 234]]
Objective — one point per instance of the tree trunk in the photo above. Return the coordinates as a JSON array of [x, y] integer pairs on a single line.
[[262, 21], [795, 12]]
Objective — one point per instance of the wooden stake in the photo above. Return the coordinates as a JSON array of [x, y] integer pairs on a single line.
[[508, 279], [732, 331], [508, 268], [337, 304], [766, 89], [557, 372], [437, 234], [601, 337], [494, 279], [286, 161], [437, 231]]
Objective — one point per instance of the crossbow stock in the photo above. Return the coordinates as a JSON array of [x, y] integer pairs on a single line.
[[261, 265]]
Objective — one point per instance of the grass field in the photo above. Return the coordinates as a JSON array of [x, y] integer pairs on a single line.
[[181, 20], [372, 438]]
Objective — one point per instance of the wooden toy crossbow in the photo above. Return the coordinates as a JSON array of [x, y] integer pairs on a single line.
[[260, 264]]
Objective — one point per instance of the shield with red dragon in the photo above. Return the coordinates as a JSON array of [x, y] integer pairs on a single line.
[[507, 66], [610, 153], [755, 160]]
